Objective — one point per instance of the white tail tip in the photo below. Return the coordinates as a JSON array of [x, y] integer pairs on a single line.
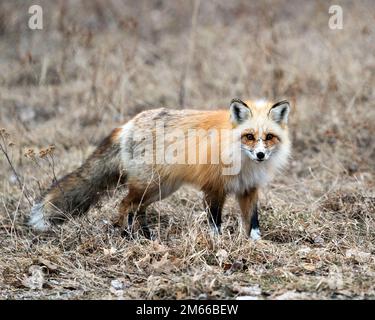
[[37, 220]]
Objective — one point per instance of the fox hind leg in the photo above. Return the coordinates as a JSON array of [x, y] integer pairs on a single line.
[[214, 203], [138, 217], [132, 211]]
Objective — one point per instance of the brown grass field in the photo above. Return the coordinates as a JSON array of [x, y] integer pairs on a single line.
[[97, 63]]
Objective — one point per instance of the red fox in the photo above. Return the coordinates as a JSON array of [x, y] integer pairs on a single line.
[[221, 152]]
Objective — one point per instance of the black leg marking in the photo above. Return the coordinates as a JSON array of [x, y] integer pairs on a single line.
[[141, 218], [254, 222], [130, 220], [144, 229], [214, 213], [128, 231]]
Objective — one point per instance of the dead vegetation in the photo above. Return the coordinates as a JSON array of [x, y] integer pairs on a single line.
[[96, 64]]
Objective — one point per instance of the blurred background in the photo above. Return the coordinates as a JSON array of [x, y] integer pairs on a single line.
[[95, 63]]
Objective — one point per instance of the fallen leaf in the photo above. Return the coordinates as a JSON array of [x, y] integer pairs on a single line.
[[164, 264], [221, 255], [157, 247], [110, 251], [50, 266], [117, 284], [36, 279], [180, 295], [304, 251], [319, 240], [247, 298], [293, 295], [254, 290], [227, 266], [357, 255], [309, 267], [144, 262], [203, 296], [118, 287], [335, 280], [236, 266]]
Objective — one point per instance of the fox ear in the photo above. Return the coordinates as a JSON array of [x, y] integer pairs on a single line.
[[279, 112], [239, 111]]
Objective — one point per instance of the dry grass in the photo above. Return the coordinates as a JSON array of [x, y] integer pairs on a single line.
[[96, 64]]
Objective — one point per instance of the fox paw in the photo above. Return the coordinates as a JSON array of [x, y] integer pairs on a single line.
[[255, 234]]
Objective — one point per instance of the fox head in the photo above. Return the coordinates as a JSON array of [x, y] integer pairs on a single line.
[[263, 129]]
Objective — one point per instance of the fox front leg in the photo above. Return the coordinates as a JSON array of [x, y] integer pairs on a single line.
[[254, 224], [249, 212]]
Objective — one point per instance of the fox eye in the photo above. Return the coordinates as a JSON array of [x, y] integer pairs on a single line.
[[250, 136], [269, 136]]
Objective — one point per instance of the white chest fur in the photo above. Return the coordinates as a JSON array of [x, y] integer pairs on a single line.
[[251, 175]]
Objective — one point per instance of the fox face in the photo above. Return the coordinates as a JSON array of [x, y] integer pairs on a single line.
[[262, 128]]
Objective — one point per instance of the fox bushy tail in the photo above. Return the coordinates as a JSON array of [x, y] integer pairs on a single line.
[[76, 192]]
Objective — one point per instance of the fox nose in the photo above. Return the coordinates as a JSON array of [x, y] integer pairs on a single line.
[[260, 155]]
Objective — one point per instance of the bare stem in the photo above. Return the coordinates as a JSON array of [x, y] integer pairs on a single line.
[[182, 93], [21, 186]]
